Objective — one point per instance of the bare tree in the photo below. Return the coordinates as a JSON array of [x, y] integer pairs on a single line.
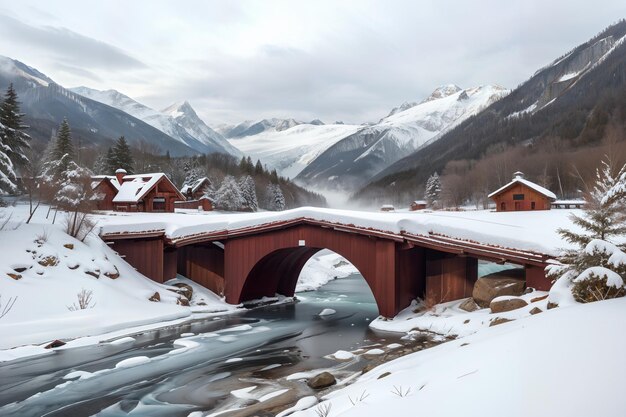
[[7, 307], [84, 301]]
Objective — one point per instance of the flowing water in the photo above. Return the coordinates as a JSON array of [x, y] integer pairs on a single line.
[[258, 347]]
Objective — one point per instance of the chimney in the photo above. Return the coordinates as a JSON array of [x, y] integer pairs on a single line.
[[518, 174], [119, 174]]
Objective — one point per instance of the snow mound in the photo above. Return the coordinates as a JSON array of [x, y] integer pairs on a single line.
[[45, 270], [327, 312], [343, 355]]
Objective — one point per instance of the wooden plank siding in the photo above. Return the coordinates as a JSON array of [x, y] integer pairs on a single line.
[[449, 277], [506, 202], [204, 264], [145, 255]]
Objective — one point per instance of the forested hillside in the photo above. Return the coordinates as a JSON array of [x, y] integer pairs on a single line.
[[567, 114]]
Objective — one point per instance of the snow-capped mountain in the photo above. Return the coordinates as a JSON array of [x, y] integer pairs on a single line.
[[184, 115], [179, 121], [352, 161], [290, 150], [46, 103], [560, 101], [249, 128]]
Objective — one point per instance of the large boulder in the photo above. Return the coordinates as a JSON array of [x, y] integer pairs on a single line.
[[501, 305], [509, 282], [323, 380]]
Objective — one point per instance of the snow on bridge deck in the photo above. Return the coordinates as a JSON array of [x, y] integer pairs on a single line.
[[534, 231]]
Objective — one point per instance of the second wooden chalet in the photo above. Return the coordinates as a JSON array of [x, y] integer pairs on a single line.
[[522, 195]]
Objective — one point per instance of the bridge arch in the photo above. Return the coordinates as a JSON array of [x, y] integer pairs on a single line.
[[268, 263], [278, 273]]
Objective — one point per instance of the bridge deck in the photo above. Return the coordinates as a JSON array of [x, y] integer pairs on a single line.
[[530, 236]]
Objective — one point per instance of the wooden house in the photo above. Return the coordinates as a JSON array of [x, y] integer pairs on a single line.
[[522, 195], [418, 205], [141, 192], [104, 187], [197, 189], [387, 207]]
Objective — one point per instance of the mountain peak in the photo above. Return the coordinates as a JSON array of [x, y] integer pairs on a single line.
[[180, 108], [443, 91]]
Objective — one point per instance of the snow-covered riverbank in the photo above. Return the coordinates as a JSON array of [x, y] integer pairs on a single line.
[[566, 361], [47, 274]]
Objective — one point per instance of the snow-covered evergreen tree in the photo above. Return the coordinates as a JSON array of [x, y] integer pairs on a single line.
[[275, 198], [101, 166], [248, 192], [122, 156], [12, 128], [228, 196], [596, 268], [433, 190], [7, 173], [192, 172], [60, 156]]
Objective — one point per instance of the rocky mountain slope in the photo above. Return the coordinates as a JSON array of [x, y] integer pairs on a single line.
[[352, 161], [290, 150], [572, 99], [178, 121], [46, 103]]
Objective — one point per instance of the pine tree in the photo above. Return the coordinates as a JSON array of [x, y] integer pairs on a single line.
[[275, 198], [596, 269], [123, 155], [111, 163], [228, 196], [61, 154], [12, 132], [258, 168], [248, 192], [433, 190], [274, 176]]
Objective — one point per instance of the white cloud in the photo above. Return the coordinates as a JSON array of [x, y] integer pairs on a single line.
[[347, 60]]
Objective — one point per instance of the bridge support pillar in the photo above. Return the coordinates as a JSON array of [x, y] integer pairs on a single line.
[[410, 275], [449, 277], [170, 263], [145, 255], [536, 278], [203, 264]]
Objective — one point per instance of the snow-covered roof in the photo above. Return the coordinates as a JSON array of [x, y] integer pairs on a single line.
[[135, 187], [420, 202], [193, 187], [574, 202], [97, 179], [519, 180]]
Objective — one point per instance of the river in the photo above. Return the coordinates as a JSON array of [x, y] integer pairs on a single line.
[[258, 347]]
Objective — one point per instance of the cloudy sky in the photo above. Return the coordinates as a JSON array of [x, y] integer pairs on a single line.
[[334, 60]]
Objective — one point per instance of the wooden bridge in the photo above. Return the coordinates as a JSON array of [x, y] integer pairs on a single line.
[[263, 260]]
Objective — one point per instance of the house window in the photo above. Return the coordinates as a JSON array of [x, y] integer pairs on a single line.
[[502, 206], [158, 204], [518, 197], [532, 205]]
